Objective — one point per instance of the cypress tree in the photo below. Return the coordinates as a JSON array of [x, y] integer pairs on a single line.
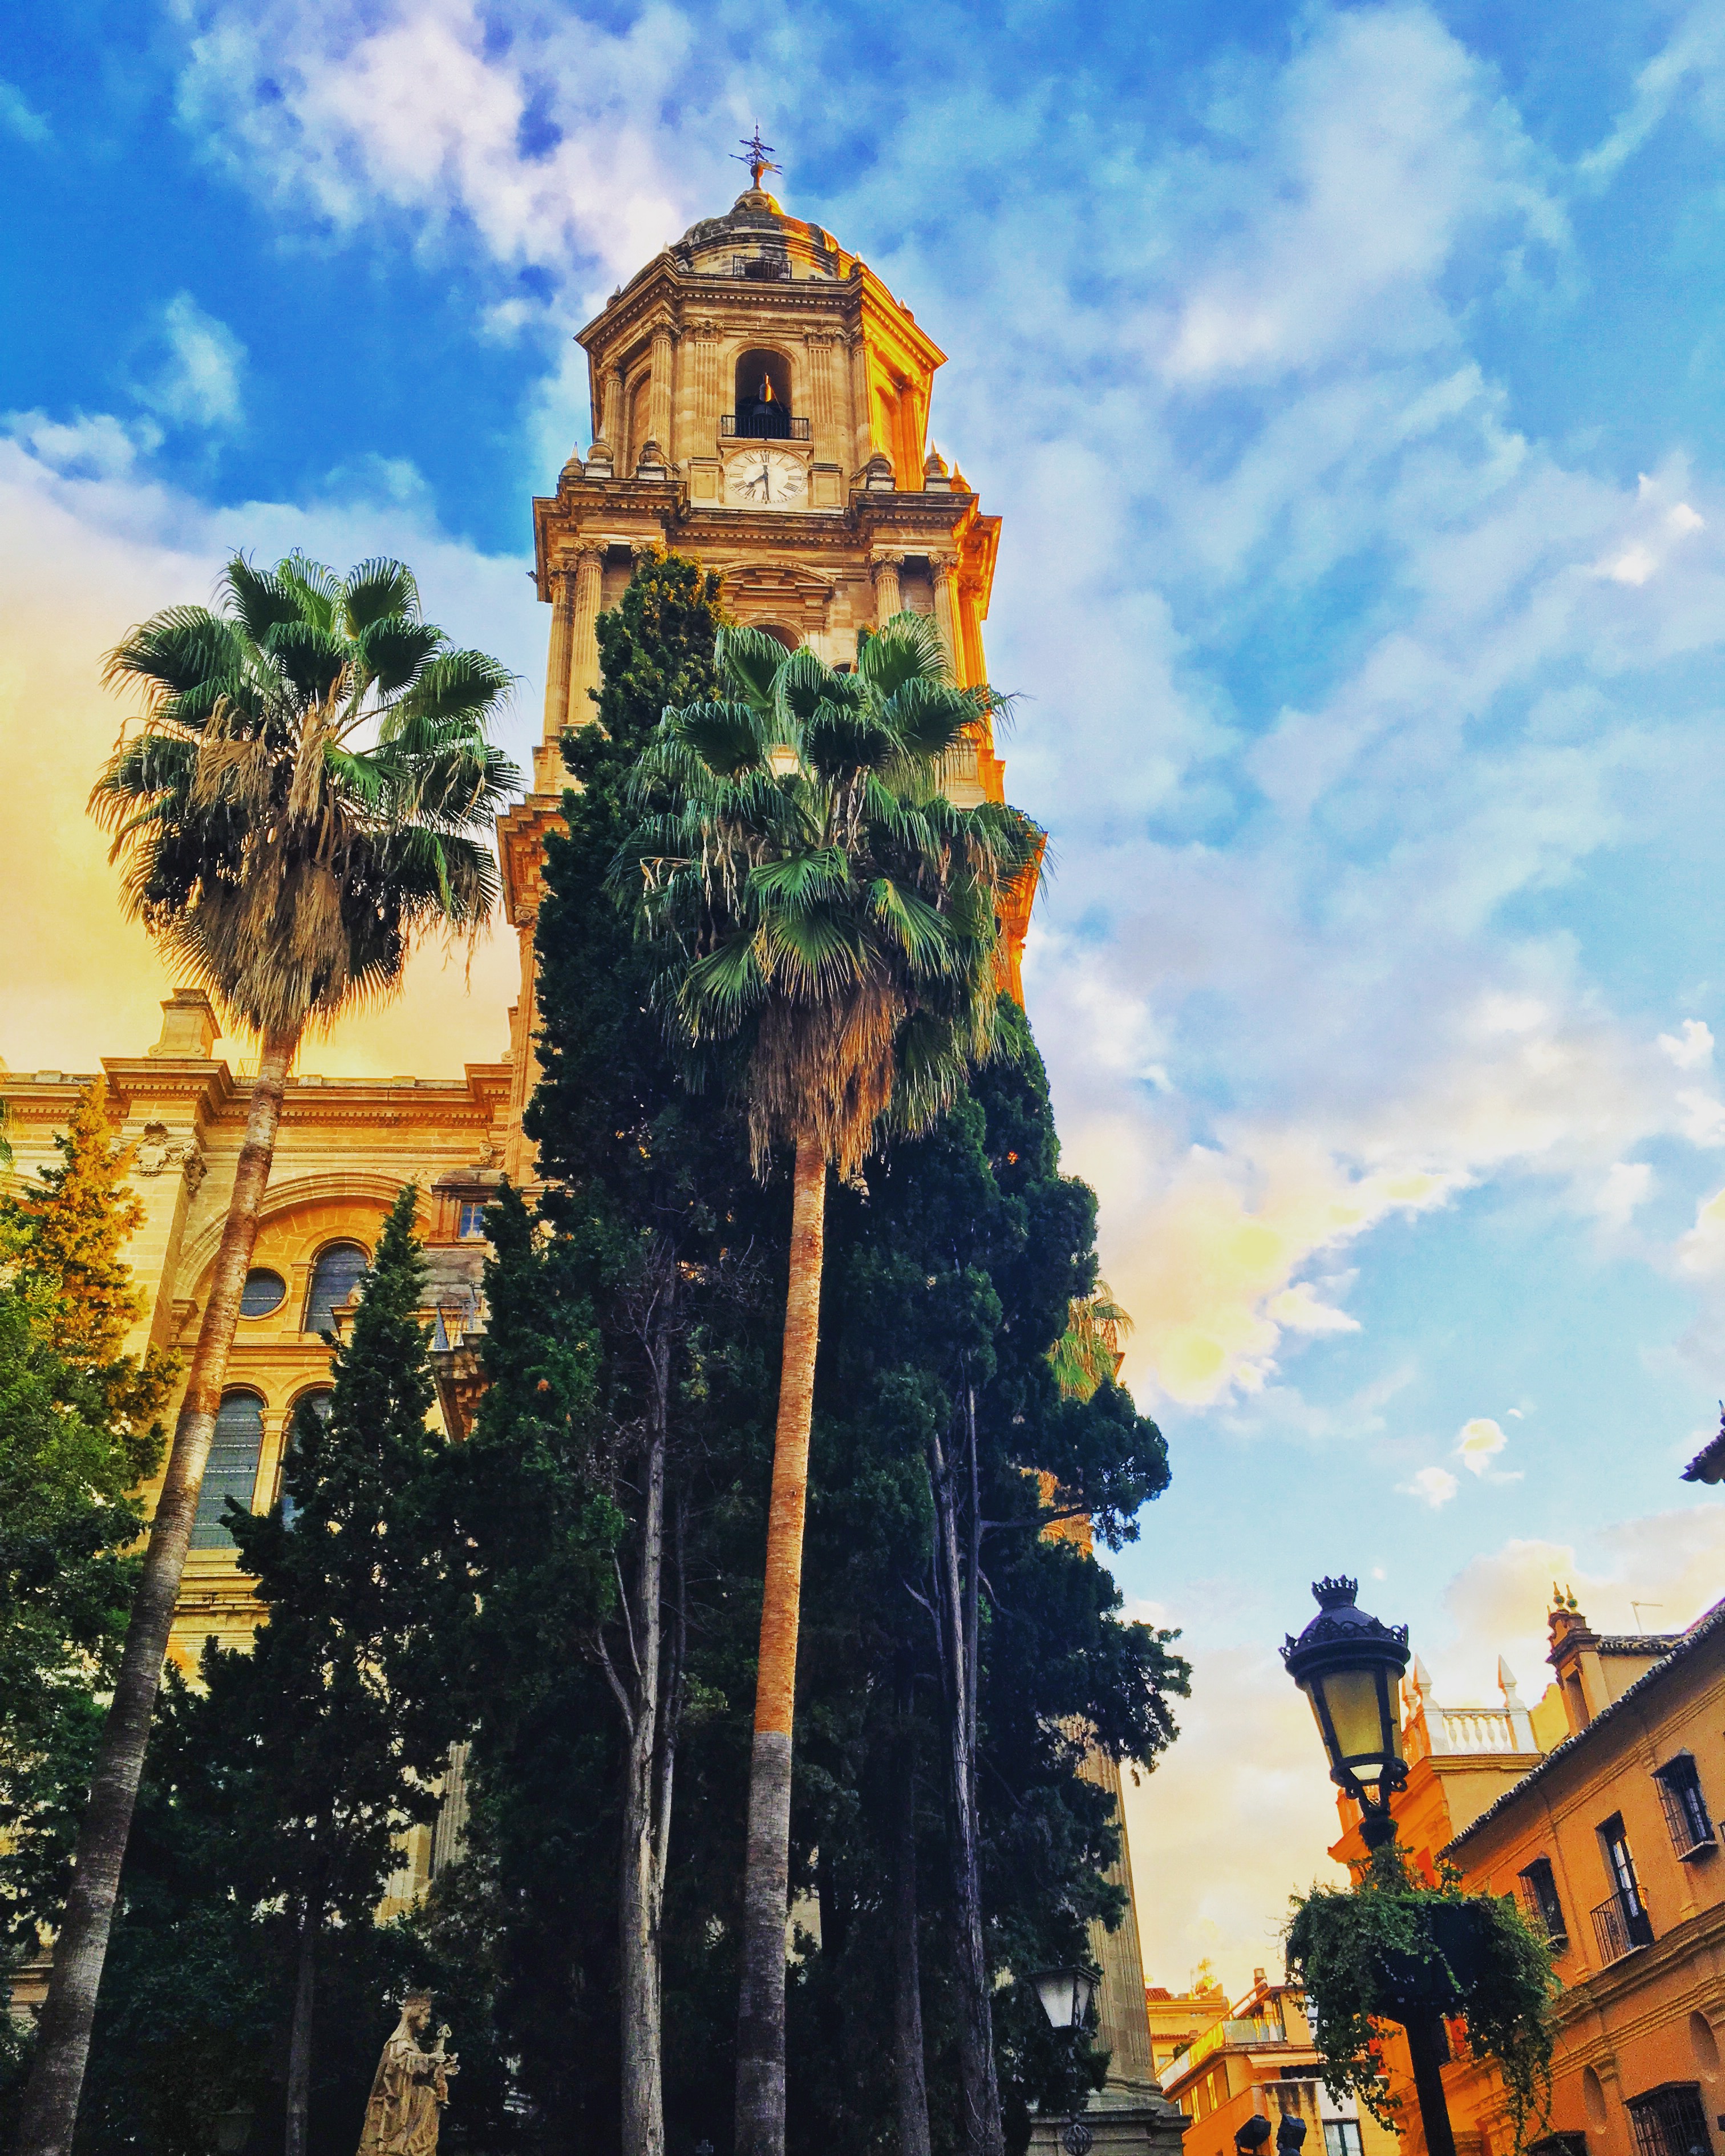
[[79, 1433], [332, 1730]]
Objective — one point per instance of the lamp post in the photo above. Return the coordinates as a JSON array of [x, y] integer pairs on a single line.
[[1349, 1665], [1066, 1995]]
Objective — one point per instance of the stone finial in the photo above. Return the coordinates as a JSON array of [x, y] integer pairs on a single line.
[[936, 478], [1507, 1685], [651, 463], [189, 1031], [878, 474]]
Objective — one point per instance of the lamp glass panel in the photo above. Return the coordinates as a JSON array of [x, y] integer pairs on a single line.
[[1065, 1995], [1352, 1696], [1053, 1987]]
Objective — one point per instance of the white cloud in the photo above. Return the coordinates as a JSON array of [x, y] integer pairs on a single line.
[[1480, 1443], [1702, 1250], [1627, 1186], [19, 117], [1693, 60], [196, 382], [1433, 1486], [1692, 1047]]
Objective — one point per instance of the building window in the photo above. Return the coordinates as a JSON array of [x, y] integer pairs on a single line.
[[1621, 1922], [1342, 2136], [318, 1404], [471, 1220], [1686, 1811], [1539, 1892], [1669, 2122], [334, 1276], [262, 1293], [232, 1470]]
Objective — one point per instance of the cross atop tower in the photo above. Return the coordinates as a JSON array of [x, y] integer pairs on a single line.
[[758, 155]]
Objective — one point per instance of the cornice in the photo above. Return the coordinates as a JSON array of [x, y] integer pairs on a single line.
[[206, 1089], [910, 522], [862, 301], [522, 835]]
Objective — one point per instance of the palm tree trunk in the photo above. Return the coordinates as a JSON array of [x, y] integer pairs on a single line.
[[299, 2077], [760, 2017], [50, 2108]]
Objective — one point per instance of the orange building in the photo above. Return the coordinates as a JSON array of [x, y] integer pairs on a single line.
[[1607, 1840], [1256, 2066]]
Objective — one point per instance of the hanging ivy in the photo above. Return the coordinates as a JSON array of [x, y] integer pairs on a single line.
[[1389, 1948]]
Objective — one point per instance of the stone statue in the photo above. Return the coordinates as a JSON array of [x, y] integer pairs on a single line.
[[411, 2086]]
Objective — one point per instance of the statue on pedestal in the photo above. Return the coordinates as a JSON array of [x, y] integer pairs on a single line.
[[411, 2086]]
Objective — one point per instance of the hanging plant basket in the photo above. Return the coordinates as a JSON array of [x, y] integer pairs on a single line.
[[1392, 1949]]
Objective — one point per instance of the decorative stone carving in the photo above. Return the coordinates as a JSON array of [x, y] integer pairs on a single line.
[[156, 1152]]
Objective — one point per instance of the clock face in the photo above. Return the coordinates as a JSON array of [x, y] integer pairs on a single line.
[[765, 479]]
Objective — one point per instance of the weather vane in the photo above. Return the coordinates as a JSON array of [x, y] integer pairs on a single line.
[[758, 155]]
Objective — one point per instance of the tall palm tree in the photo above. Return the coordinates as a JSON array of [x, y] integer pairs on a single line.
[[307, 796], [825, 909]]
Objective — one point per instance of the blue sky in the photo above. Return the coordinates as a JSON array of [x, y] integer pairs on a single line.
[[1347, 378]]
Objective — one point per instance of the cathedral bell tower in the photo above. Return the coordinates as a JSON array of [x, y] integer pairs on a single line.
[[760, 402]]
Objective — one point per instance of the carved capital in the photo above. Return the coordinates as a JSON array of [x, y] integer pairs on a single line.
[[891, 563]]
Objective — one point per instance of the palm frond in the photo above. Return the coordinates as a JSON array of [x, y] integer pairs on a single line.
[[393, 647], [375, 589], [454, 685], [750, 659]]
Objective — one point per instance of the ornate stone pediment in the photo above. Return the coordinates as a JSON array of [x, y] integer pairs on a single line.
[[778, 591]]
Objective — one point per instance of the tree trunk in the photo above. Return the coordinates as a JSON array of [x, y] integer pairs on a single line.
[[760, 2018], [299, 2076], [957, 1585], [642, 1888], [50, 2108], [910, 2079]]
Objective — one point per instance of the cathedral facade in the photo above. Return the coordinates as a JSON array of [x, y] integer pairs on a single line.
[[760, 403]]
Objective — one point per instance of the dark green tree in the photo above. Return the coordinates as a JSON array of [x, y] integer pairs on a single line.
[[78, 1432], [624, 1407], [332, 1730], [961, 1655]]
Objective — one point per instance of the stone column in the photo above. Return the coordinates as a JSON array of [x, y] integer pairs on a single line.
[[658, 398], [563, 646], [584, 642], [704, 401], [884, 569], [862, 419], [611, 411], [822, 404], [939, 568]]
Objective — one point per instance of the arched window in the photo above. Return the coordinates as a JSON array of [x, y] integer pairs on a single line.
[[233, 1468], [763, 395], [334, 1278], [318, 1404]]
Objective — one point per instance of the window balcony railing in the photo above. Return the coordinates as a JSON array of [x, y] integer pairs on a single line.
[[1686, 1813], [776, 425], [1618, 1928]]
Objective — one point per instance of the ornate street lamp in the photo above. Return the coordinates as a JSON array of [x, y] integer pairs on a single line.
[[1349, 1666], [1066, 1995]]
